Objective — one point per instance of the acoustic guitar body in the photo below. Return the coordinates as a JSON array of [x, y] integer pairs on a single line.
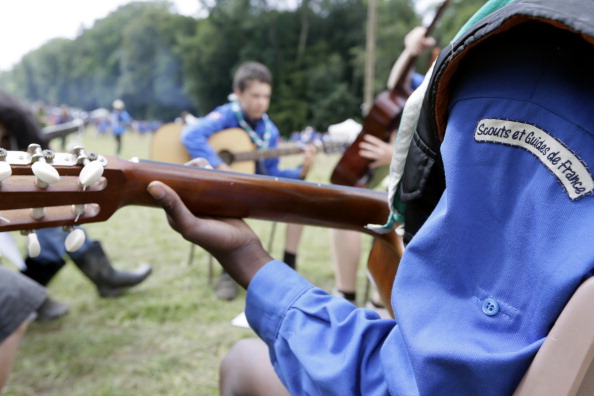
[[230, 141], [166, 145], [381, 121]]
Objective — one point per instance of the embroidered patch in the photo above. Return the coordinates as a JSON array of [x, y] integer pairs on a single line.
[[570, 170], [214, 115]]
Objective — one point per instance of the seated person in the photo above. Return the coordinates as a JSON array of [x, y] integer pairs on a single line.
[[346, 245], [252, 88], [485, 277], [20, 298], [19, 129]]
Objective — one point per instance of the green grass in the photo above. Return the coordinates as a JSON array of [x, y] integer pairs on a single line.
[[166, 336]]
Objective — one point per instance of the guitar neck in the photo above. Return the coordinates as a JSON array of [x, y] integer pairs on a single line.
[[262, 154], [61, 130], [230, 194], [206, 192]]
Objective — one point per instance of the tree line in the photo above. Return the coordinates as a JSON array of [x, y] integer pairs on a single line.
[[161, 63]]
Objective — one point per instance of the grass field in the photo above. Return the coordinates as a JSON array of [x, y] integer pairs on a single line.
[[168, 335]]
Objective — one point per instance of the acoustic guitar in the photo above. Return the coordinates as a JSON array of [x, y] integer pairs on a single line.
[[46, 189], [381, 121], [232, 145]]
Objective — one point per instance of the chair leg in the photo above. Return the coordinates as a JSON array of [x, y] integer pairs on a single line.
[[210, 262], [191, 256], [271, 239], [210, 269]]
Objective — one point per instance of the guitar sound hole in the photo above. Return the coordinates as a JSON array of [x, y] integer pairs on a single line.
[[226, 156]]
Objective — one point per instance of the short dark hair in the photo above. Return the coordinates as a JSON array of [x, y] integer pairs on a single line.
[[250, 71]]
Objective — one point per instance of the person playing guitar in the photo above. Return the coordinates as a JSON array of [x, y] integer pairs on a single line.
[[345, 244], [252, 87]]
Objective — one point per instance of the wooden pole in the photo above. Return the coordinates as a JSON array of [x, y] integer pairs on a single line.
[[370, 55]]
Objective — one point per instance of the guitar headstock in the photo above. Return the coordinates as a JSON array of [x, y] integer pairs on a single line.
[[41, 188]]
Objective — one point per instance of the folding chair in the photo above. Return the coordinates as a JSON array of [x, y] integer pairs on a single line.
[[563, 365]]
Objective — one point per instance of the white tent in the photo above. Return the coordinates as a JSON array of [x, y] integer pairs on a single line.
[[344, 131]]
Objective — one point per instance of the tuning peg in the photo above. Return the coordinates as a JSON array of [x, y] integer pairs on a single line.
[[75, 239], [92, 170], [78, 210], [5, 170], [37, 213], [33, 246], [90, 173], [45, 174]]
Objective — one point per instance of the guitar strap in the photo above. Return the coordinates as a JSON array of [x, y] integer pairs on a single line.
[[261, 143]]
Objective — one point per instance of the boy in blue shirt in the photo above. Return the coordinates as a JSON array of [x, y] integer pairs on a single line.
[[252, 88]]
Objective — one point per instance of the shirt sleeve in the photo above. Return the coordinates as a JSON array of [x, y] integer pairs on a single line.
[[195, 136], [319, 344], [416, 80]]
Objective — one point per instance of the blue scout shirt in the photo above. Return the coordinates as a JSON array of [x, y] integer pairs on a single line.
[[482, 282], [195, 139]]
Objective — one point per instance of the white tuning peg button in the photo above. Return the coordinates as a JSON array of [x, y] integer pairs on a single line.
[[74, 240], [33, 246], [90, 173], [45, 172], [5, 170]]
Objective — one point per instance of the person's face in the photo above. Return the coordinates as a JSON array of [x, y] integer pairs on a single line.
[[255, 99]]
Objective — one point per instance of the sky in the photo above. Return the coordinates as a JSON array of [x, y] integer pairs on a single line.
[[26, 25]]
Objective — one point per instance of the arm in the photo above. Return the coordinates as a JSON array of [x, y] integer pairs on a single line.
[[271, 165], [314, 338], [415, 43], [195, 136], [320, 344]]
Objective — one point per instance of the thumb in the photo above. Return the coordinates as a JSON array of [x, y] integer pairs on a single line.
[[177, 212]]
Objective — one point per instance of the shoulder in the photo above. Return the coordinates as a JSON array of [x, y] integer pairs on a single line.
[[219, 113], [273, 126]]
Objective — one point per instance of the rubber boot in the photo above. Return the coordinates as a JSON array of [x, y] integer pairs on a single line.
[[51, 310], [42, 272], [109, 281]]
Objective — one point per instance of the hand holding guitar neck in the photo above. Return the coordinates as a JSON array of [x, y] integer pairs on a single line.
[[231, 241], [309, 154], [91, 188], [415, 43]]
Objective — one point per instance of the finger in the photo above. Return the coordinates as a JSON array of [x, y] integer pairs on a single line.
[[372, 139], [199, 162], [368, 154], [367, 146]]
